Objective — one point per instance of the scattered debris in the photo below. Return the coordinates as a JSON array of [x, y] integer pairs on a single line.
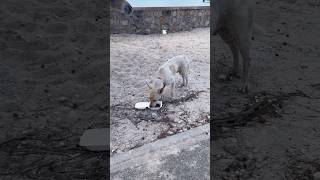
[[261, 104]]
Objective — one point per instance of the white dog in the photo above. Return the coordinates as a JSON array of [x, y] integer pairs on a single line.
[[165, 77], [233, 21]]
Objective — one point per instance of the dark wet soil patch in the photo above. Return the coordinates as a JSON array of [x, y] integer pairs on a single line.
[[136, 116], [162, 115], [260, 105]]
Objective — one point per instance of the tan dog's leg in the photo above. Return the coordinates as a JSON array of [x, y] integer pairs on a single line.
[[187, 81], [227, 38], [173, 86], [243, 36], [183, 80], [245, 52]]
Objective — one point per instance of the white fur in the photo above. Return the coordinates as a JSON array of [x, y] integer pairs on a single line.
[[233, 21], [165, 76]]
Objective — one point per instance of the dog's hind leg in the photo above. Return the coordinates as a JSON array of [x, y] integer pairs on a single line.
[[183, 79], [187, 81], [173, 86], [244, 45], [186, 78], [244, 34], [229, 40]]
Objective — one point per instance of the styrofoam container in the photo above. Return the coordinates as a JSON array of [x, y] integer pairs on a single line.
[[142, 105]]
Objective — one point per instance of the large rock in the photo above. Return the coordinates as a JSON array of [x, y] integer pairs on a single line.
[[95, 139]]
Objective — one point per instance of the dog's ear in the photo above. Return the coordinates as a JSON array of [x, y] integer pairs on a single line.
[[161, 90], [148, 84]]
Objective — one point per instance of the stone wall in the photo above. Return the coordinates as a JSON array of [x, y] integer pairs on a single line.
[[151, 20]]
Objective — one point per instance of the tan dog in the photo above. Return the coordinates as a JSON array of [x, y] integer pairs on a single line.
[[165, 77], [233, 21]]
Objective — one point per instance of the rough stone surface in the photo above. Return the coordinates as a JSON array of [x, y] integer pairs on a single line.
[[152, 20]]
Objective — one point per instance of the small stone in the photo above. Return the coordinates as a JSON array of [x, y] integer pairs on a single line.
[[225, 129], [170, 132], [233, 110], [233, 140], [154, 115], [62, 99], [62, 143], [95, 139], [222, 77]]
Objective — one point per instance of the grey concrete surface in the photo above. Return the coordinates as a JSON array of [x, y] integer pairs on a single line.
[[182, 156]]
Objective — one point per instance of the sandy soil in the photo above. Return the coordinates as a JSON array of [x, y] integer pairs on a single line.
[[134, 59], [281, 142]]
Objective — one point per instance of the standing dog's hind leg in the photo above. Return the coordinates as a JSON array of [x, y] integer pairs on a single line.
[[187, 83], [183, 80], [245, 52], [227, 38], [235, 53], [187, 80], [173, 86]]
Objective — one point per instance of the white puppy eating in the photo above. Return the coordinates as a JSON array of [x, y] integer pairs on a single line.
[[165, 77]]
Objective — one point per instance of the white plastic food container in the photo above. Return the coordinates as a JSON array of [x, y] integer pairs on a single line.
[[144, 105]]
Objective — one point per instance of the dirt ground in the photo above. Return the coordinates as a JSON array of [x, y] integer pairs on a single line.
[[134, 59], [53, 74], [282, 139]]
